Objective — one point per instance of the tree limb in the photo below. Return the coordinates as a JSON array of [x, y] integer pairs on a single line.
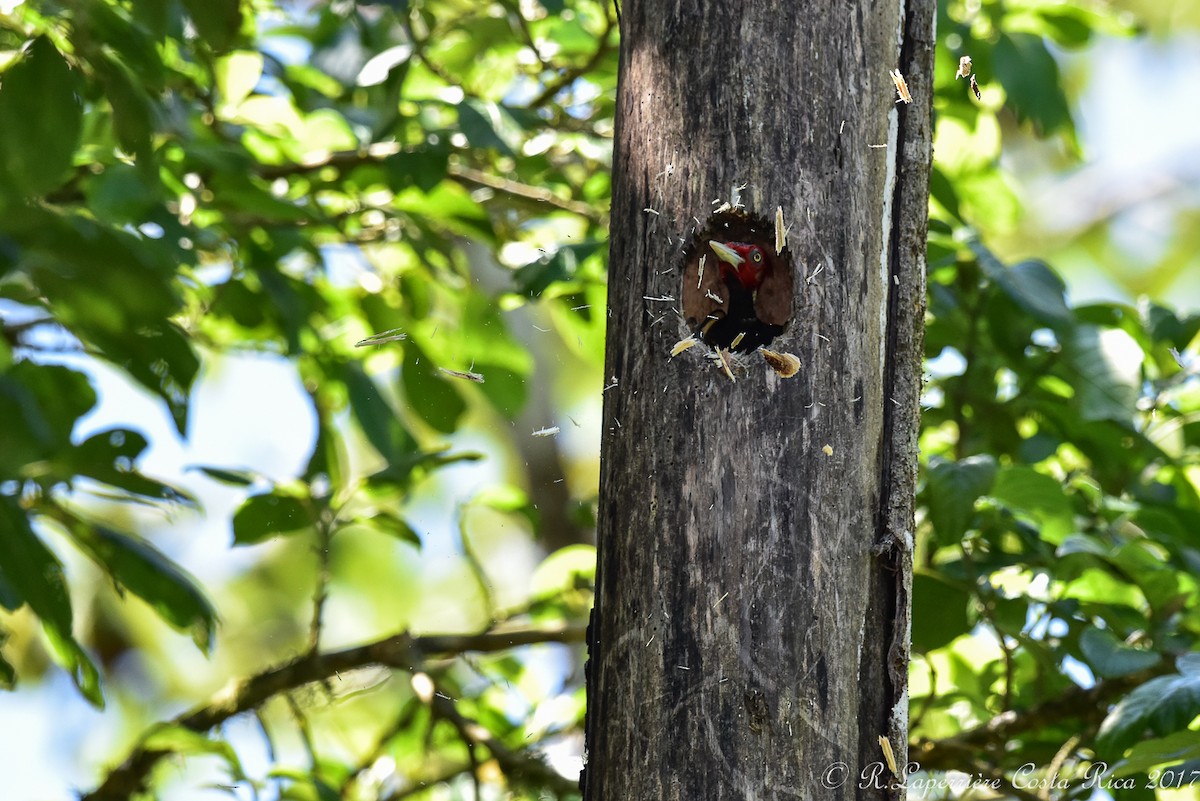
[[400, 651]]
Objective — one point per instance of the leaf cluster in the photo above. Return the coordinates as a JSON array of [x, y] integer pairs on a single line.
[[1054, 598]]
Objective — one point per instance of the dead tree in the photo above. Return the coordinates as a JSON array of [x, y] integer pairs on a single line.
[[750, 634]]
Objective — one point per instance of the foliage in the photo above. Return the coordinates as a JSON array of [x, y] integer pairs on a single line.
[[1054, 563], [429, 179], [184, 181]]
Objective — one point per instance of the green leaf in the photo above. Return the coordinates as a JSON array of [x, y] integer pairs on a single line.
[[939, 612], [262, 517], [428, 392], [1163, 705], [235, 478], [952, 489], [480, 121], [532, 279], [8, 674], [942, 190], [1032, 285], [395, 526], [237, 74], [42, 116], [133, 108], [1030, 78], [179, 740], [148, 574], [1026, 491], [35, 576], [40, 404], [1110, 658], [375, 415], [1104, 367], [564, 570], [424, 167], [108, 456], [218, 21], [122, 195], [1181, 745]]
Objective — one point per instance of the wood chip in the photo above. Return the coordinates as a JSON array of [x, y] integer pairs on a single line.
[[548, 431], [464, 374], [726, 364], [964, 68], [785, 364], [394, 335], [901, 86], [683, 345], [780, 231], [975, 89], [886, 746]]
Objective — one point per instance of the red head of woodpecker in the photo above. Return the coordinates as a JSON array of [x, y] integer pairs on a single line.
[[736, 325], [744, 262]]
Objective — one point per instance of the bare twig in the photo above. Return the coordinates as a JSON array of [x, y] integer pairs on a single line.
[[321, 592], [515, 189]]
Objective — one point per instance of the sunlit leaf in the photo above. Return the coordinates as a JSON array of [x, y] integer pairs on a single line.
[[237, 74], [1104, 366], [1159, 751]]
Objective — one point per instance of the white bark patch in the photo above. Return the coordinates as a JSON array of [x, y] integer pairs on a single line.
[[885, 250]]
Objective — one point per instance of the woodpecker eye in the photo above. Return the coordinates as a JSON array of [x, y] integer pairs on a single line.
[[756, 256]]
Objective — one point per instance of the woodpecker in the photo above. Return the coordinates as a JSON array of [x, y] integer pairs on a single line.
[[736, 323]]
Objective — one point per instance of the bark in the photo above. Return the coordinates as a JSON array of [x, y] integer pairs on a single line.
[[750, 635]]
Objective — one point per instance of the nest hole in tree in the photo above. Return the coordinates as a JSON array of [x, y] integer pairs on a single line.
[[717, 306]]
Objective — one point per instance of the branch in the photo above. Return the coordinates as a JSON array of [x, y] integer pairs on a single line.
[[574, 73], [513, 763], [1088, 706], [466, 176], [401, 652]]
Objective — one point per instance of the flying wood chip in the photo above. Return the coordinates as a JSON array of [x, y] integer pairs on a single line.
[[394, 335], [975, 89], [466, 375], [964, 68]]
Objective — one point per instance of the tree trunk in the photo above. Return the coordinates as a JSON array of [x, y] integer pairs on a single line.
[[750, 635]]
